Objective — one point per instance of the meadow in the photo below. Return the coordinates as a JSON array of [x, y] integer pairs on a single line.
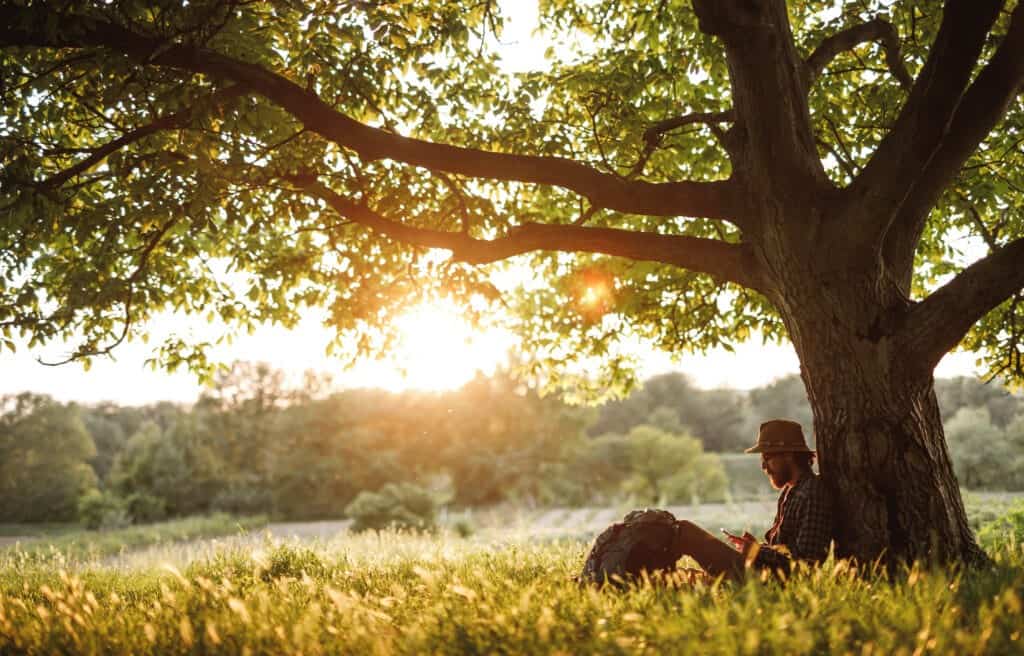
[[505, 588], [66, 541]]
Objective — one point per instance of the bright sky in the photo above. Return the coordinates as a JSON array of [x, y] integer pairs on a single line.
[[437, 350]]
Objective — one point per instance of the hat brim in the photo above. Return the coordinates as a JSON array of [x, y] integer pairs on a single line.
[[758, 448]]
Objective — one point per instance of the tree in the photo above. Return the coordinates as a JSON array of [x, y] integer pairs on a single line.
[[669, 468], [984, 455], [717, 167], [715, 416], [44, 453], [241, 410], [783, 398], [172, 471], [496, 439], [957, 393], [325, 454], [107, 432]]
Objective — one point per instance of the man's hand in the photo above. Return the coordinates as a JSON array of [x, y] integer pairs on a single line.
[[741, 543]]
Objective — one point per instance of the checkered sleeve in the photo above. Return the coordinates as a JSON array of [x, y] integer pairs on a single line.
[[814, 519]]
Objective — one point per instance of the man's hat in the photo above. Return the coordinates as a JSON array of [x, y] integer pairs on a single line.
[[780, 436]]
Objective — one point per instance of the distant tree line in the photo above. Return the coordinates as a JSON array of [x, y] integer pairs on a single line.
[[726, 420], [255, 444]]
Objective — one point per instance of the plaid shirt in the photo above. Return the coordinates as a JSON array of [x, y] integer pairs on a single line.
[[803, 526]]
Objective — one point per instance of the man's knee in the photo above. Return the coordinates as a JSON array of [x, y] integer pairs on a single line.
[[692, 536], [688, 532]]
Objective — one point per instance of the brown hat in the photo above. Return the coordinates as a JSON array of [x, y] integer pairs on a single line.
[[780, 436]]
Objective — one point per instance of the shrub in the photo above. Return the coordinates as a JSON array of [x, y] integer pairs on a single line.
[[103, 510], [146, 508], [244, 499], [463, 527], [746, 480], [292, 561], [1008, 529], [396, 505], [667, 468]]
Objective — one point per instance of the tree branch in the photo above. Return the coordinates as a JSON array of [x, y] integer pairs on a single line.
[[731, 262], [171, 121], [876, 29], [1013, 343], [979, 223], [925, 118], [981, 108], [653, 134], [88, 350], [29, 27], [937, 324], [768, 92]]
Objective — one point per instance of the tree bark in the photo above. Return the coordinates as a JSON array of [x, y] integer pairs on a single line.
[[883, 452]]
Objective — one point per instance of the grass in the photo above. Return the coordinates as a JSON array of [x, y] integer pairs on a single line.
[[38, 530], [983, 507], [397, 593], [88, 545]]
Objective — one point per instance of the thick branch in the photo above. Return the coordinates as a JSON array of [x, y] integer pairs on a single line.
[[937, 324], [876, 29], [925, 118], [766, 73], [984, 104], [730, 262], [710, 199]]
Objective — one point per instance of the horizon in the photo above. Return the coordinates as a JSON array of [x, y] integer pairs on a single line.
[[127, 382]]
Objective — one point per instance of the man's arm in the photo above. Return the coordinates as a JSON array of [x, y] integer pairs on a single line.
[[814, 530]]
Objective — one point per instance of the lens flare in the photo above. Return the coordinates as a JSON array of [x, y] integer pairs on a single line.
[[593, 291]]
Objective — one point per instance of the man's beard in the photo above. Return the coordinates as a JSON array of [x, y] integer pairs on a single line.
[[779, 478]]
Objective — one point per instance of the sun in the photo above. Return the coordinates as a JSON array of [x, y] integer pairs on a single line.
[[436, 350]]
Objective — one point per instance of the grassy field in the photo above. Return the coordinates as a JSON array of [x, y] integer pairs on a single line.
[[11, 531], [506, 591], [77, 545]]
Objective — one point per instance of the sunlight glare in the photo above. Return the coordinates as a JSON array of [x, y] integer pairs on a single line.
[[437, 350], [590, 296]]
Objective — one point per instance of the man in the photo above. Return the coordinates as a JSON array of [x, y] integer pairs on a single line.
[[802, 529]]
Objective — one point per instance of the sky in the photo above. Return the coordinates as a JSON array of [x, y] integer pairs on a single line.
[[438, 351]]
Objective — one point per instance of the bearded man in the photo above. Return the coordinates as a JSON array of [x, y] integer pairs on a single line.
[[802, 530]]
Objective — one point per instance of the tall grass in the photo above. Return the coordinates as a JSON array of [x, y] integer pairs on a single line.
[[410, 594]]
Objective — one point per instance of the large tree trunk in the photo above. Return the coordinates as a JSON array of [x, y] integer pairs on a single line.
[[876, 418], [883, 452]]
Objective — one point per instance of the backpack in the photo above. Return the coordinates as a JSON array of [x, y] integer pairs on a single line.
[[645, 540]]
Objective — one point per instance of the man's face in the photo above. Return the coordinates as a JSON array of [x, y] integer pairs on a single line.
[[779, 468]]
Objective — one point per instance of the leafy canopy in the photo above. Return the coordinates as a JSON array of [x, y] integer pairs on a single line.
[[130, 189]]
